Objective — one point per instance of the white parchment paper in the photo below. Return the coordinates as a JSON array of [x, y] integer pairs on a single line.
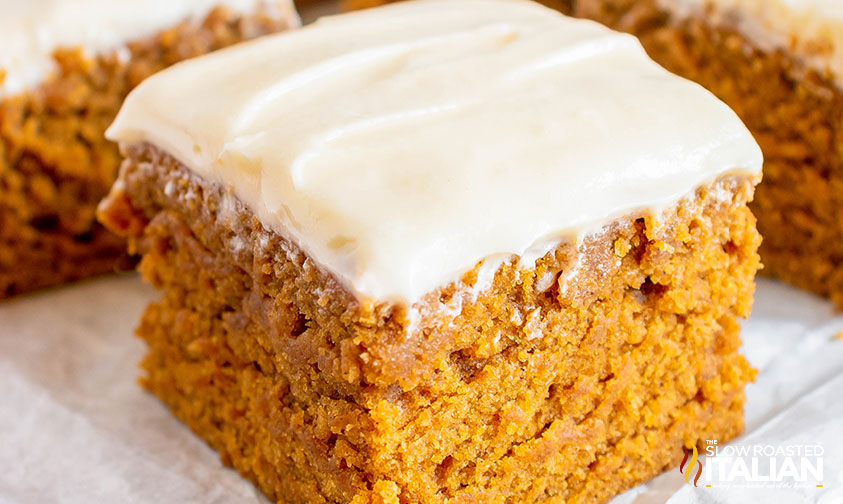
[[75, 427]]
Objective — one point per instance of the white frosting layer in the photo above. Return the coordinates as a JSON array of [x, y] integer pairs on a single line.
[[399, 146], [30, 30], [810, 29]]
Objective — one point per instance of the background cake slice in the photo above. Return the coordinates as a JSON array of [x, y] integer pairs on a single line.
[[441, 251], [65, 67]]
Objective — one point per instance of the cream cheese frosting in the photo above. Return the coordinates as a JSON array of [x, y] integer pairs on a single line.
[[30, 30], [812, 30], [400, 146]]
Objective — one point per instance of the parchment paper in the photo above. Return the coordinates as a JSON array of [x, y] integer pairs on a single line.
[[75, 427]]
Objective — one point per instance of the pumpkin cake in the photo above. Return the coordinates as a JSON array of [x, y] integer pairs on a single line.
[[441, 251], [65, 67]]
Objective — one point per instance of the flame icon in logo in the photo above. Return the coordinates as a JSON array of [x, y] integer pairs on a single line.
[[694, 462]]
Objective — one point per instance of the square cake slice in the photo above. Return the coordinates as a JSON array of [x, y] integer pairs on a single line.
[[65, 68], [779, 65], [441, 251]]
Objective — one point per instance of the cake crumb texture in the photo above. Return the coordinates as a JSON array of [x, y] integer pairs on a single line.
[[570, 382]]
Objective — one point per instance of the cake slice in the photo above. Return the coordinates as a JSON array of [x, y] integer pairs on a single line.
[[65, 67], [441, 251]]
